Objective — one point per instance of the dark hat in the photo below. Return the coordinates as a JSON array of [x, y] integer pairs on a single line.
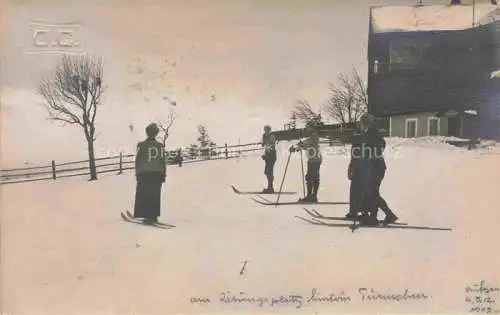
[[152, 130]]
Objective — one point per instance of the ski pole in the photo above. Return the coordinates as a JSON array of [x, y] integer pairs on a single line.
[[302, 165], [283, 180]]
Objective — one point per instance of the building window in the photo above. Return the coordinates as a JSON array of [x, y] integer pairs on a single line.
[[406, 54], [433, 126], [411, 127]]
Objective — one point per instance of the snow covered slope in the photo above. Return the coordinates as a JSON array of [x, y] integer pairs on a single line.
[[66, 251]]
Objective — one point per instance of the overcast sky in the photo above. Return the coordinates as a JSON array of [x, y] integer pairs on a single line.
[[256, 47], [252, 45]]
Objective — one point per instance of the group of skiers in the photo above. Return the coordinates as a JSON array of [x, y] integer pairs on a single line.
[[366, 171]]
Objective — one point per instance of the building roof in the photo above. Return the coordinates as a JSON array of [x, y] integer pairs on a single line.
[[431, 18], [445, 111]]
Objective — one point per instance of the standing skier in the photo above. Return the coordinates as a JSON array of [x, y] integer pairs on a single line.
[[150, 171], [269, 156], [366, 172], [178, 157], [314, 159], [354, 176]]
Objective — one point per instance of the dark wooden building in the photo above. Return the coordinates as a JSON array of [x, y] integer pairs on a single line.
[[432, 69]]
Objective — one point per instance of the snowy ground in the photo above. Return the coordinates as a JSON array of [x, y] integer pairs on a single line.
[[65, 250]]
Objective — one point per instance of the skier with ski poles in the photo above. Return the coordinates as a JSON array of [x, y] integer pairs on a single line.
[[366, 172], [311, 146], [269, 156]]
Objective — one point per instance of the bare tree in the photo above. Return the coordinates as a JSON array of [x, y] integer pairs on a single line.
[[166, 125], [72, 93], [304, 112], [348, 98]]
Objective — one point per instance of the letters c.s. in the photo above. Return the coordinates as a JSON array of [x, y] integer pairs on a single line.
[[63, 38]]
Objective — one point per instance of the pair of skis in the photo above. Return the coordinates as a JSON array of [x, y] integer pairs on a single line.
[[317, 218], [128, 217], [264, 201], [267, 202]]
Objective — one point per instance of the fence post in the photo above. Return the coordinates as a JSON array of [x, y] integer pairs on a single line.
[[53, 169], [225, 151], [121, 164]]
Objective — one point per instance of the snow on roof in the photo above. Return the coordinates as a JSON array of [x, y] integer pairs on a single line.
[[495, 74], [471, 112], [430, 18]]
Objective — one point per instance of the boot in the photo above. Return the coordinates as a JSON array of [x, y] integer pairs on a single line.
[[351, 215], [150, 221], [308, 198], [269, 189], [390, 217], [270, 183], [315, 188], [368, 219]]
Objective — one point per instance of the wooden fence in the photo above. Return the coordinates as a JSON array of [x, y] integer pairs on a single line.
[[120, 163], [333, 134]]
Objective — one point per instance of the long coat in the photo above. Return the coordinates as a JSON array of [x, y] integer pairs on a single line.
[[150, 170], [367, 155], [151, 157], [366, 170]]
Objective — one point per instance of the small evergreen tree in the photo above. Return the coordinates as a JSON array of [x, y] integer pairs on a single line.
[[293, 121], [204, 141]]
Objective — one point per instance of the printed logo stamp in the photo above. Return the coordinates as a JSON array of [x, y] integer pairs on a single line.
[[50, 38]]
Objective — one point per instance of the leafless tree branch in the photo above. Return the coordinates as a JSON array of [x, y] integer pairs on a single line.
[[166, 125], [72, 93], [304, 112], [348, 98]]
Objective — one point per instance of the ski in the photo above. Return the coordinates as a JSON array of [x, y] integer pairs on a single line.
[[267, 202], [164, 226], [131, 216], [381, 226], [236, 190], [315, 214]]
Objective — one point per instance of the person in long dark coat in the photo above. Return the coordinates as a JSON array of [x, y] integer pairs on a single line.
[[150, 172], [269, 157], [366, 172], [354, 177]]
